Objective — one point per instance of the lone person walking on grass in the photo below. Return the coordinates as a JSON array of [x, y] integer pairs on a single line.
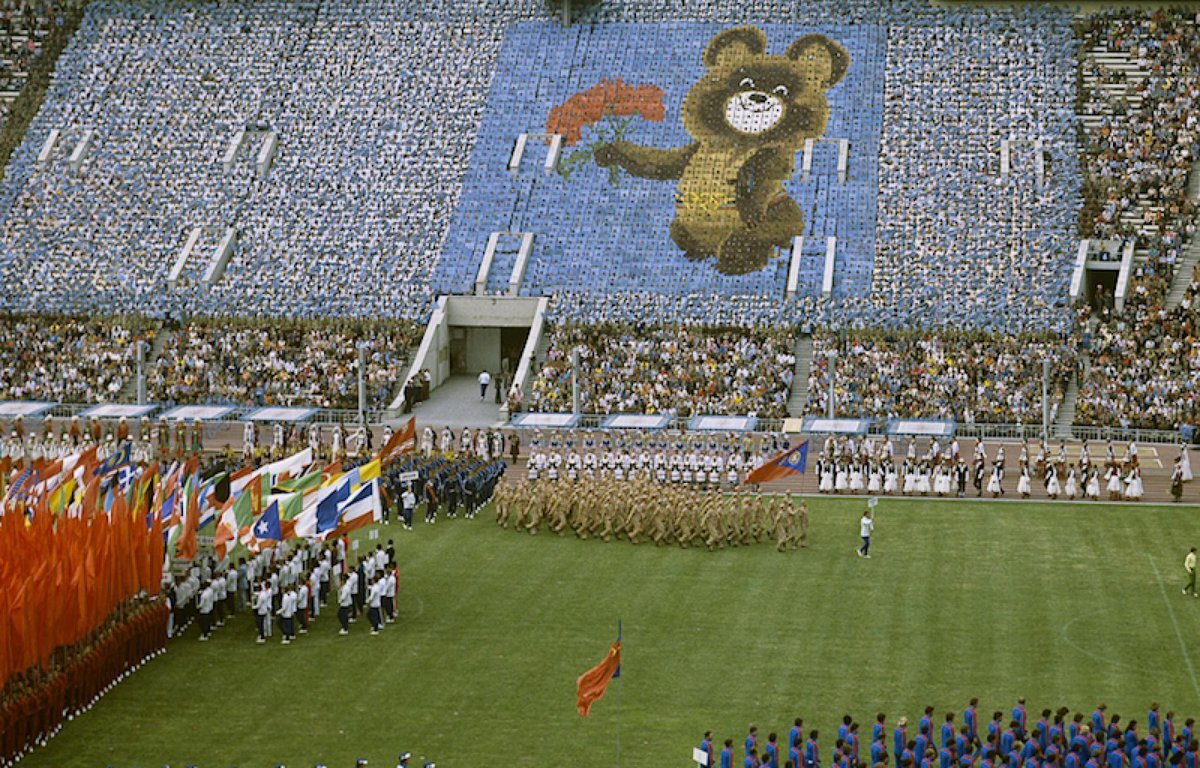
[[865, 526], [1189, 565]]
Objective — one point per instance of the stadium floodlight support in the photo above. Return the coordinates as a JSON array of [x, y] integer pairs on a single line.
[[141, 372], [80, 153], [362, 383], [1045, 398], [843, 162], [48, 147], [554, 140], [831, 371], [575, 380]]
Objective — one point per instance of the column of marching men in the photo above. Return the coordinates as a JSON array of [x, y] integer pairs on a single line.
[[287, 587], [1059, 738]]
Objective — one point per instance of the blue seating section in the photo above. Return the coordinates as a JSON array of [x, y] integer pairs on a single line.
[[396, 120], [593, 236]]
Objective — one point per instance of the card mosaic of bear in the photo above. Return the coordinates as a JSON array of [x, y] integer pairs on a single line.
[[681, 170]]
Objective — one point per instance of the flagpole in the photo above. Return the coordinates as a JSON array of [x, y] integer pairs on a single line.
[[619, 686]]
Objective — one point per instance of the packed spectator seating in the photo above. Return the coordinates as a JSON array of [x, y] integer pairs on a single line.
[[1145, 366], [67, 359], [678, 370], [1141, 141], [24, 24], [298, 362], [970, 378]]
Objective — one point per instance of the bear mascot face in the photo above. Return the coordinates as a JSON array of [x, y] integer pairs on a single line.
[[749, 97]]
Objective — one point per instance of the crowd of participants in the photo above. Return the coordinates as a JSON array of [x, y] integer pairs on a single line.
[[874, 467], [1058, 738], [677, 370], [286, 586], [965, 377], [640, 508], [35, 704], [68, 359], [281, 363]]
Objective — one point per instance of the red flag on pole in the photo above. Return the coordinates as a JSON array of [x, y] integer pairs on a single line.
[[591, 684]]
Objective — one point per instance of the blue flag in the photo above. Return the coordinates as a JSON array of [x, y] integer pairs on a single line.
[[266, 527], [790, 462]]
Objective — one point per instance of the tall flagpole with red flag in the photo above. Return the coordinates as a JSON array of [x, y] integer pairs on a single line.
[[617, 675]]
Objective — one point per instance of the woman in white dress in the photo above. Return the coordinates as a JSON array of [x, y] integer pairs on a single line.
[[1053, 488], [826, 479], [1133, 485], [1185, 461], [891, 481], [1023, 485], [993, 486], [841, 480], [1071, 489], [1113, 486], [856, 478], [941, 482], [875, 481], [1093, 486], [910, 479], [923, 481]]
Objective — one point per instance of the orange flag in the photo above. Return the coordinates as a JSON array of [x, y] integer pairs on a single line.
[[402, 441], [591, 684]]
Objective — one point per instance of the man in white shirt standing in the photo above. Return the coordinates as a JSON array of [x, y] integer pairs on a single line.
[[287, 615], [204, 604], [389, 592], [262, 610], [485, 379], [345, 606], [865, 526], [374, 599]]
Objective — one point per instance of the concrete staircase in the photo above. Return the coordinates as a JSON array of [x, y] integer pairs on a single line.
[[1066, 410], [129, 391], [1191, 252], [798, 397]]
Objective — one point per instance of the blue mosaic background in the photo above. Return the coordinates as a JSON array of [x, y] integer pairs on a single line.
[[590, 236]]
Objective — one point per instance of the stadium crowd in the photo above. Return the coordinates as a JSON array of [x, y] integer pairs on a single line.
[[24, 25], [1058, 738], [1145, 366], [298, 362], [1139, 152], [68, 359], [970, 378], [679, 370]]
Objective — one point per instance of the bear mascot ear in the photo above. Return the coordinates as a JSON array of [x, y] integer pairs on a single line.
[[819, 59], [734, 44]]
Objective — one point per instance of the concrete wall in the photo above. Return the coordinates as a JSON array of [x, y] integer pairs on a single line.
[[483, 350]]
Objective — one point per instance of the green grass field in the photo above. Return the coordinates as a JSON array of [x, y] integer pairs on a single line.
[[1063, 604]]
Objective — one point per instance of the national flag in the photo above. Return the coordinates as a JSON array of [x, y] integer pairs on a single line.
[[591, 684], [362, 509], [115, 461], [402, 441], [792, 462], [234, 517], [266, 527]]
